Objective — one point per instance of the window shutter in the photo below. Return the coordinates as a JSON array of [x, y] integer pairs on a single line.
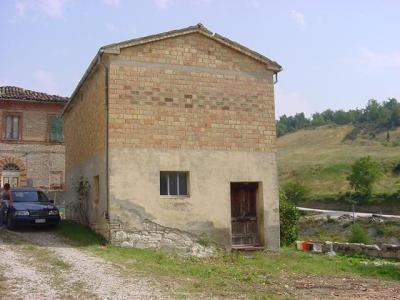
[[56, 129]]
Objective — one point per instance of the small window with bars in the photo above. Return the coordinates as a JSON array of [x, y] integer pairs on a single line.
[[12, 127], [56, 133], [174, 183]]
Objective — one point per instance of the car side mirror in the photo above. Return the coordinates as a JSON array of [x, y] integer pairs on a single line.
[[52, 201]]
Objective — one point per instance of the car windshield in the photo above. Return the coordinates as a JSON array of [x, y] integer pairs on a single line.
[[29, 196]]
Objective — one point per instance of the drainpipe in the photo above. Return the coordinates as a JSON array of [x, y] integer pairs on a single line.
[[105, 68], [275, 77]]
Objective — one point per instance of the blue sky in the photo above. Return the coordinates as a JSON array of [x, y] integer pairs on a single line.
[[335, 54]]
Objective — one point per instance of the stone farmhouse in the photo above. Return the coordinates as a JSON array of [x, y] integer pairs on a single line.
[[175, 133], [32, 151]]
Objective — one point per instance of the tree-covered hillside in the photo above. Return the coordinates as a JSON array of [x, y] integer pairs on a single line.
[[375, 117]]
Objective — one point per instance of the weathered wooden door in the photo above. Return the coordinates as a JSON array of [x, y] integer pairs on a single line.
[[244, 214]]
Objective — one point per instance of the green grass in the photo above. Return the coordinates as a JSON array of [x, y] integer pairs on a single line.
[[227, 274], [79, 235], [321, 160]]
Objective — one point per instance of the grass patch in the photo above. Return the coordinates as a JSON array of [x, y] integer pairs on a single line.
[[336, 170], [228, 274], [79, 235]]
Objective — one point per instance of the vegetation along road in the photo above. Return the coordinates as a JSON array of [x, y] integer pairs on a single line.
[[75, 263]]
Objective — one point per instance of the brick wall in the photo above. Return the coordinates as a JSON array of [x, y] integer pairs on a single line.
[[37, 158], [84, 123], [190, 92]]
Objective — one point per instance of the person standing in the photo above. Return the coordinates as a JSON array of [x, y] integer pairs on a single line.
[[5, 196]]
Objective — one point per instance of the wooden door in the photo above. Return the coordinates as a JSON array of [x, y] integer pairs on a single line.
[[244, 214]]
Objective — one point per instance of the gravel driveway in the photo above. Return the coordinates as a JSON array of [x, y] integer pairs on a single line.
[[38, 265]]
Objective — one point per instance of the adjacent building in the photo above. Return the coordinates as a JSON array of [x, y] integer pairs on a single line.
[[175, 135], [32, 151]]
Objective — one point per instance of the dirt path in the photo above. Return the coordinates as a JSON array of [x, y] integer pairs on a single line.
[[313, 287], [38, 265], [20, 280], [81, 275]]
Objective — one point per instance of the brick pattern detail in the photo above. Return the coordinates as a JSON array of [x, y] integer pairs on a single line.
[[219, 105], [193, 49], [84, 124]]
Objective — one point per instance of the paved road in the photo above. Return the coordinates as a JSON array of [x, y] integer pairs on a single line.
[[338, 213]]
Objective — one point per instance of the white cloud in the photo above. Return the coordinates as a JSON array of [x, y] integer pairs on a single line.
[[373, 59], [298, 17], [163, 4], [50, 8], [45, 81], [290, 103], [114, 3]]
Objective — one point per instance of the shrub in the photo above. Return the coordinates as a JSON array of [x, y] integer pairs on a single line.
[[358, 234], [365, 173], [396, 169], [289, 215], [295, 192], [330, 220]]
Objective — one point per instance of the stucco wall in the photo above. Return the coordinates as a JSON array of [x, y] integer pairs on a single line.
[[135, 190], [96, 211]]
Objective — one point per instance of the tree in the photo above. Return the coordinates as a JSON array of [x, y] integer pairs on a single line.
[[365, 173], [295, 192]]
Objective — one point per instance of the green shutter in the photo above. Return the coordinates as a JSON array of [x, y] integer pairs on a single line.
[[56, 129]]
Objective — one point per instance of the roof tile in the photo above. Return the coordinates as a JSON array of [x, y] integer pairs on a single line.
[[17, 93]]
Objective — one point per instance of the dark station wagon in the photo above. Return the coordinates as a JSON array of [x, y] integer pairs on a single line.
[[30, 206]]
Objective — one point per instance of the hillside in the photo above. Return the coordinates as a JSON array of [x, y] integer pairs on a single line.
[[321, 159]]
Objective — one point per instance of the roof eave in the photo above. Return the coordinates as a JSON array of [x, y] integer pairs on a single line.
[[199, 28], [80, 83]]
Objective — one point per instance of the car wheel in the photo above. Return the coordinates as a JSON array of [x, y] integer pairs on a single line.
[[10, 223]]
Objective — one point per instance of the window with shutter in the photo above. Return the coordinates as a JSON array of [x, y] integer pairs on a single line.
[[12, 127], [56, 129]]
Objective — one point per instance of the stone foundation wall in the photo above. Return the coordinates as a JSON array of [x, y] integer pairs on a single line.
[[382, 251], [157, 237]]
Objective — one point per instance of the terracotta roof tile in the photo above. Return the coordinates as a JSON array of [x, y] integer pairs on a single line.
[[17, 93]]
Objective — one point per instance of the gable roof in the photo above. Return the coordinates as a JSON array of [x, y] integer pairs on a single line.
[[199, 28], [19, 94]]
